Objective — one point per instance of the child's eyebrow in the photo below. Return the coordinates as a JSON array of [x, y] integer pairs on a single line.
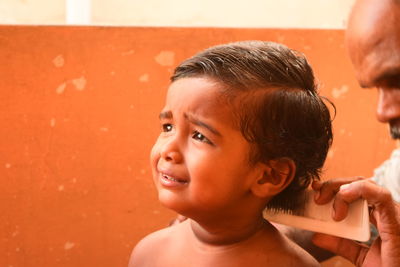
[[165, 115], [198, 122]]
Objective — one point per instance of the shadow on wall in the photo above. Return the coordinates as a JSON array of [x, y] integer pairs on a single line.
[[79, 116]]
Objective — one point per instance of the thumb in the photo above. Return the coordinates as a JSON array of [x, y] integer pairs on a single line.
[[346, 248]]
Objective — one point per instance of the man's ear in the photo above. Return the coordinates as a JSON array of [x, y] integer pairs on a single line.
[[276, 176]]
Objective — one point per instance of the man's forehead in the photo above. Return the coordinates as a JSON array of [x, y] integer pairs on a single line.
[[373, 40], [368, 23], [371, 21]]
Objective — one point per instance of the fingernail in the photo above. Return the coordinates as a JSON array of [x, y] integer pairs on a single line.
[[344, 187]]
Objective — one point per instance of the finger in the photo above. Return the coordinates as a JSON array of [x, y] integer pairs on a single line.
[[340, 209], [344, 198], [371, 215], [385, 210], [181, 218], [348, 249], [329, 188], [327, 191], [177, 220], [374, 194], [316, 185]]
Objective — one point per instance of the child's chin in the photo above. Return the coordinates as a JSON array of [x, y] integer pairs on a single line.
[[170, 201]]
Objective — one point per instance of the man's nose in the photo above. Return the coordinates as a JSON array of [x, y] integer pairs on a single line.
[[170, 150], [388, 107]]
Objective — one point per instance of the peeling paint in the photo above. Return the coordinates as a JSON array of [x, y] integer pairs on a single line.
[[61, 88], [130, 52], [79, 83], [52, 122], [59, 61], [68, 245], [339, 92], [144, 78], [165, 58]]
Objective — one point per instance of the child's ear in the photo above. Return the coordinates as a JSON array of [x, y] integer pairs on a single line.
[[276, 175]]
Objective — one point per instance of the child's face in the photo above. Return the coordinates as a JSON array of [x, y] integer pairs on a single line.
[[200, 162]]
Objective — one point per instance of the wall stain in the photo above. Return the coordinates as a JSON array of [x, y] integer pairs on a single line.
[[59, 61], [165, 58]]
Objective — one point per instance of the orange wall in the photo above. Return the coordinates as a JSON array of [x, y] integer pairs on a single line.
[[78, 116]]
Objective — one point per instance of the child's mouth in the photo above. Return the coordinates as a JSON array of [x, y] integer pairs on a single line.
[[172, 179]]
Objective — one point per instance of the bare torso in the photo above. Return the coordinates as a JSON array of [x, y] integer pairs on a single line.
[[177, 246]]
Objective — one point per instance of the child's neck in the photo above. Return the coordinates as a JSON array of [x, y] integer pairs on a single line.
[[227, 232]]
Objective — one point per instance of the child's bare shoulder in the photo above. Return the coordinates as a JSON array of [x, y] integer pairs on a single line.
[[290, 254], [267, 248], [272, 248], [153, 249]]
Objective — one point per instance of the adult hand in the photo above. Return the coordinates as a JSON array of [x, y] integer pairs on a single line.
[[385, 215], [179, 218]]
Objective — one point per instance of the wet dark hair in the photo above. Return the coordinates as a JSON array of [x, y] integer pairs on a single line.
[[277, 105]]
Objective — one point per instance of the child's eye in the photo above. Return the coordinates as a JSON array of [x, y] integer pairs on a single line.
[[166, 127], [199, 136]]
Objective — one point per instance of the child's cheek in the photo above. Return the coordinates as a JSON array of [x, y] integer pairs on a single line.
[[154, 158], [155, 154], [156, 150]]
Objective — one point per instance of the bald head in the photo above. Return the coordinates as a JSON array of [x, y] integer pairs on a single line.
[[373, 42]]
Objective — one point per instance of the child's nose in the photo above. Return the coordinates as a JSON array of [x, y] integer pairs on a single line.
[[170, 151]]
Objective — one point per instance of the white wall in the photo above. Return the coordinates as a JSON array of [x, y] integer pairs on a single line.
[[32, 11], [224, 13], [208, 13]]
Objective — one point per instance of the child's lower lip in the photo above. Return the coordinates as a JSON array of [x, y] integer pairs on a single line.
[[168, 181]]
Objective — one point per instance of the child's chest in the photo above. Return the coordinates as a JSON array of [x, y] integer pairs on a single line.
[[189, 255]]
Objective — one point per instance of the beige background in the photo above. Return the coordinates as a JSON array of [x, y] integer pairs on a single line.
[[328, 14]]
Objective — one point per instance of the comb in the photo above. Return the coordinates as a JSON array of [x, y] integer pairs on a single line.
[[318, 218]]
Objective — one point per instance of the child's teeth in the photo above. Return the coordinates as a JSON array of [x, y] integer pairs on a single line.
[[170, 178], [173, 179]]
